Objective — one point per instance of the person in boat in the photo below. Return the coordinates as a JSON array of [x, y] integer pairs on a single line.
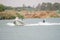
[[18, 22], [43, 21]]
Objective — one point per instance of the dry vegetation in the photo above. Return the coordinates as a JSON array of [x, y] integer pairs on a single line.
[[40, 14], [8, 14], [27, 14]]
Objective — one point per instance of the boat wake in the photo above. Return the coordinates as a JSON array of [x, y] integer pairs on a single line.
[[35, 24], [11, 24]]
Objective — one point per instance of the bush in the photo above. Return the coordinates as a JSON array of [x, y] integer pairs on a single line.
[[20, 16], [2, 7], [12, 17], [58, 11]]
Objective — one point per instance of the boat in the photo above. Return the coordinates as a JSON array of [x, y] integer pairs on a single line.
[[18, 21]]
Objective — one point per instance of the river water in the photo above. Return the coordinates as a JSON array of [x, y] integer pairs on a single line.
[[40, 32]]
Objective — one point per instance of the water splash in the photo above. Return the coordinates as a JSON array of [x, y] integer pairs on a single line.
[[11, 24], [35, 24]]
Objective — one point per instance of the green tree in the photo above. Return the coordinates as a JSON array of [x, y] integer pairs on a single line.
[[8, 7], [20, 16], [43, 6], [2, 7], [38, 7], [56, 6], [49, 6]]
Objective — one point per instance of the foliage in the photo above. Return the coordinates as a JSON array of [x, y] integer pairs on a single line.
[[4, 17], [8, 8], [20, 16], [56, 6], [43, 6], [2, 7], [58, 11], [48, 6]]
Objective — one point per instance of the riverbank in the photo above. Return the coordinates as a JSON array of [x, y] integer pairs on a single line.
[[11, 14], [40, 14]]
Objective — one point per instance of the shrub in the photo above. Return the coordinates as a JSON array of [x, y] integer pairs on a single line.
[[20, 16], [2, 7]]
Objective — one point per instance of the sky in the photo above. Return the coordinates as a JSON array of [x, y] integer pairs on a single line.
[[19, 3]]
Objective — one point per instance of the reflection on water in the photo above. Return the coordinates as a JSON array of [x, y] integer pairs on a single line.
[[39, 32]]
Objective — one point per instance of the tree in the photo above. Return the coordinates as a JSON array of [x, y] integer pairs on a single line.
[[56, 6], [49, 6], [20, 16], [8, 8], [24, 6], [2, 7], [38, 7], [43, 6]]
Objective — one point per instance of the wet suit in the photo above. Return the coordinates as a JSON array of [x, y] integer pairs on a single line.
[[43, 21]]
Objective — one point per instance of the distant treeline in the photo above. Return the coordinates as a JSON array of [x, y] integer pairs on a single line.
[[48, 6], [43, 6]]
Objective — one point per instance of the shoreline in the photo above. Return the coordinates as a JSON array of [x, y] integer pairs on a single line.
[[30, 18]]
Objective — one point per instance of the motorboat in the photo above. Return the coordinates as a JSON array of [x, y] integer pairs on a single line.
[[18, 21]]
